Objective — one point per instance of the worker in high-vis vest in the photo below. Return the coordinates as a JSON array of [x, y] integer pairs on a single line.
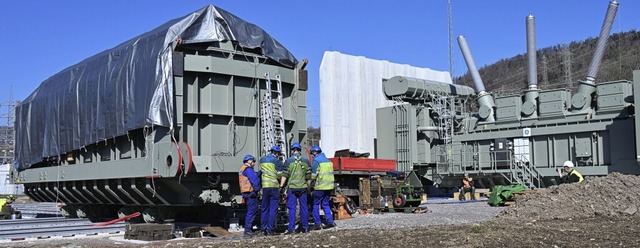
[[322, 176], [298, 173], [272, 180], [249, 187], [7, 201], [573, 176]]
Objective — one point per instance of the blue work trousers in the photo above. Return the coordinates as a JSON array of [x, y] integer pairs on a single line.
[[270, 202], [252, 209], [322, 197], [298, 196]]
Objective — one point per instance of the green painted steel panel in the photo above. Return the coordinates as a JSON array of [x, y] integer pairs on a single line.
[[386, 143], [636, 99]]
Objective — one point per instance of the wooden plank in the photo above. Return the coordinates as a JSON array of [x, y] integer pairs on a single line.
[[218, 231], [467, 195]]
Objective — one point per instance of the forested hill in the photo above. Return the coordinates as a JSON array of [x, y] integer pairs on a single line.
[[562, 66]]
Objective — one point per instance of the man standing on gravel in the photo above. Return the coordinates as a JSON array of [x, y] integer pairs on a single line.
[[298, 172], [249, 187], [322, 174], [272, 181], [573, 176]]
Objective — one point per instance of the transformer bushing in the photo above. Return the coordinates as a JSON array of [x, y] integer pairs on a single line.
[[588, 87], [530, 105], [485, 100]]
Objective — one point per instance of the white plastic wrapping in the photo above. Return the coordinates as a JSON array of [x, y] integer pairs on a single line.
[[350, 92]]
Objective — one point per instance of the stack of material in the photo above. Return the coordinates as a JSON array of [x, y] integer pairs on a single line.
[[149, 232]]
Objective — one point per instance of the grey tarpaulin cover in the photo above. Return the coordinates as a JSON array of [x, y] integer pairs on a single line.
[[124, 88]]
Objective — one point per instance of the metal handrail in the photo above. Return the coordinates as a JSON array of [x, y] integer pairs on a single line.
[[458, 160]]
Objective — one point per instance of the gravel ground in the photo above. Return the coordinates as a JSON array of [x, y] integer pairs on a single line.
[[600, 212], [441, 212]]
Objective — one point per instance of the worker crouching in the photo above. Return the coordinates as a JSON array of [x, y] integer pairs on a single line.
[[6, 201], [467, 186], [573, 176]]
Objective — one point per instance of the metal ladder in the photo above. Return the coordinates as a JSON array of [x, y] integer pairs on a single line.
[[523, 172], [443, 105], [272, 116]]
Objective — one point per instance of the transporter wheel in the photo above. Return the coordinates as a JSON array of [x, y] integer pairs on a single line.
[[399, 201], [350, 205], [151, 215], [82, 212], [88, 212], [68, 211], [124, 211], [158, 215]]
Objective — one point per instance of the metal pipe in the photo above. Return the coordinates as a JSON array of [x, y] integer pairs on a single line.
[[427, 129], [531, 52]]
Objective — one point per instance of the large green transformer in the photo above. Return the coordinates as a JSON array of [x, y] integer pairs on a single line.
[[160, 123], [521, 138]]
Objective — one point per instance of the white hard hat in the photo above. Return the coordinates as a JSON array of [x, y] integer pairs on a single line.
[[568, 164]]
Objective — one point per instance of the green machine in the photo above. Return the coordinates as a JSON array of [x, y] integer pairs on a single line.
[[443, 131], [409, 192], [395, 191]]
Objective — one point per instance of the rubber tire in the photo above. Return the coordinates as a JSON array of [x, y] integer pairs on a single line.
[[350, 205], [399, 201]]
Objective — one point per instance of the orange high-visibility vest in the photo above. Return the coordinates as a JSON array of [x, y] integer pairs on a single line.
[[245, 184], [466, 183]]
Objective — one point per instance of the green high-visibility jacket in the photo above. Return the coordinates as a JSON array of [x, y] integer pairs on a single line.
[[324, 177], [298, 172], [269, 167]]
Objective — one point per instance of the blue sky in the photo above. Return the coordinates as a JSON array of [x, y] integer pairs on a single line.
[[40, 38]]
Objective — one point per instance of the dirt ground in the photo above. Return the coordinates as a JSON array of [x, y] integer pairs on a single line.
[[599, 212], [583, 232]]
